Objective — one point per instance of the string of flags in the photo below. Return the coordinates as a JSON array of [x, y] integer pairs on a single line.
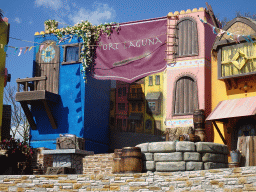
[[233, 36], [28, 48]]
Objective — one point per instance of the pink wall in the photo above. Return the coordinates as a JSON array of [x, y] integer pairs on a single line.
[[199, 67]]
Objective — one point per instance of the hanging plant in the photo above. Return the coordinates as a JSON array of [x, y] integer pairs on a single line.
[[90, 35]]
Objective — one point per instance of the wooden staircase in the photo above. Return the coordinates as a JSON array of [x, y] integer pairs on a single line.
[[34, 92]]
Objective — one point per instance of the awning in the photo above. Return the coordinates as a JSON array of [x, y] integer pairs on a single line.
[[135, 116], [233, 108], [153, 96]]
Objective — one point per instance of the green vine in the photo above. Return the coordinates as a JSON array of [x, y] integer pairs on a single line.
[[90, 35]]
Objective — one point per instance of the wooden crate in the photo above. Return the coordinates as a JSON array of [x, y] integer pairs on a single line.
[[70, 143]]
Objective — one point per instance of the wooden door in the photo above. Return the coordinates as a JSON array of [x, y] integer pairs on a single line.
[[47, 64], [246, 143]]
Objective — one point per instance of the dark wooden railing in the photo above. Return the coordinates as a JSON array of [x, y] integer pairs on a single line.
[[31, 84], [135, 96]]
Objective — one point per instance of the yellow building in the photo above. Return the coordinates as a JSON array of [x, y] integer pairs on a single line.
[[234, 85], [155, 104], [4, 38]]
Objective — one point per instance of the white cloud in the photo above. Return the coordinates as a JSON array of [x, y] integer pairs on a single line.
[[101, 14], [17, 20], [54, 4]]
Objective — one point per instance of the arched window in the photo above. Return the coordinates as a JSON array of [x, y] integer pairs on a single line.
[[187, 38], [185, 96]]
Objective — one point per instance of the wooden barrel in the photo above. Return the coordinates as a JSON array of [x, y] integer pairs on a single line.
[[117, 161], [132, 160], [198, 118]]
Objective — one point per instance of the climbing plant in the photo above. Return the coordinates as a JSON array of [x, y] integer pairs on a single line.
[[90, 35]]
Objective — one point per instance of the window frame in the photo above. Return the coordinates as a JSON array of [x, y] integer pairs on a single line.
[[150, 80], [121, 106], [195, 36], [196, 105], [157, 78], [65, 52]]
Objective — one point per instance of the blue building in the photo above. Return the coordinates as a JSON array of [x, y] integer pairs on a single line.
[[61, 102]]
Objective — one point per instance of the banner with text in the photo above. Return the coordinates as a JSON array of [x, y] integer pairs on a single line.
[[138, 50]]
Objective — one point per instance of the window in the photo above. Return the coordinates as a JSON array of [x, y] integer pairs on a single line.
[[121, 106], [71, 53], [152, 106], [157, 80], [119, 124], [148, 125], [124, 91], [119, 92], [133, 106], [139, 107], [237, 60], [124, 122], [150, 80], [185, 96], [187, 41]]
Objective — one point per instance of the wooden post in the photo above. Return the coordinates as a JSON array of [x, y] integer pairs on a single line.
[[221, 136]]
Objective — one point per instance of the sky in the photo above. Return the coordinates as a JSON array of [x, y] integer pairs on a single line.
[[27, 17]]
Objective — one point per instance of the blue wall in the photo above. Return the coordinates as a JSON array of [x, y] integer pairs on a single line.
[[83, 108]]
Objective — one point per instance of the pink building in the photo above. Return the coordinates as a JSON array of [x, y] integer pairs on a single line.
[[122, 106], [188, 76]]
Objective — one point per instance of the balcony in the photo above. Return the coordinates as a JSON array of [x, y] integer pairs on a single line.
[[34, 92], [136, 97]]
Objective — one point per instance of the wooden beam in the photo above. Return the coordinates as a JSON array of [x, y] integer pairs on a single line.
[[218, 130], [49, 113], [28, 115]]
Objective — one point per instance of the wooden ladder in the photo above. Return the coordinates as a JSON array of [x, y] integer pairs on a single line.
[[171, 38]]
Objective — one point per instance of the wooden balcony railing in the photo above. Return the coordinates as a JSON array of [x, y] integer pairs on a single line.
[[135, 96], [32, 84]]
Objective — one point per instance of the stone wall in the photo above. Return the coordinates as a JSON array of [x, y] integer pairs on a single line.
[[172, 156], [39, 158], [227, 180], [98, 164]]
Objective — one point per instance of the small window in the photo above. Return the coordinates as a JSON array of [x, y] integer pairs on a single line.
[[124, 122], [119, 92], [121, 106], [148, 125], [139, 107], [152, 106], [150, 80], [124, 91], [71, 53], [157, 79], [133, 106]]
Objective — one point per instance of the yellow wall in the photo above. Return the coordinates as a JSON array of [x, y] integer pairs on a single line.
[[220, 92], [155, 88], [3, 40]]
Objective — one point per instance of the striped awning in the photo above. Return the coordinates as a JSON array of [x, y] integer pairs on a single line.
[[233, 108]]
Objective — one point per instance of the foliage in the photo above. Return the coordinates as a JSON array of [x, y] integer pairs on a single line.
[[19, 123], [14, 146], [90, 35]]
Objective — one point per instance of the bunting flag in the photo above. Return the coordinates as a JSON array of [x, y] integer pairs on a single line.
[[30, 48], [70, 38], [5, 48], [26, 50], [16, 48], [2, 46], [233, 36], [20, 51]]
